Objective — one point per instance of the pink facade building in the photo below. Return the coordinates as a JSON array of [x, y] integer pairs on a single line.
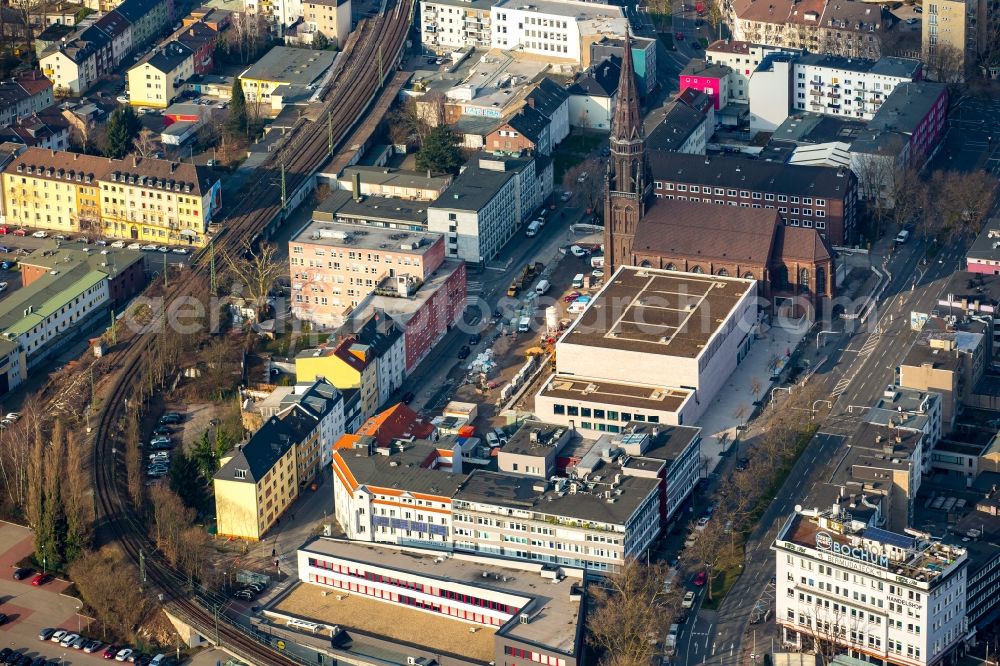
[[336, 267], [709, 78]]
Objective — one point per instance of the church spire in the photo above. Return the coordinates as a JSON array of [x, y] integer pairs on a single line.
[[627, 122]]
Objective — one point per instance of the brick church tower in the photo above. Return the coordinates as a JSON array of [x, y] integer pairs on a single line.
[[628, 184]]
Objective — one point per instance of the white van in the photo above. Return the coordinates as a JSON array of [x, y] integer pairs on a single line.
[[576, 307], [533, 228], [902, 236], [671, 642], [524, 325], [542, 287], [578, 281]]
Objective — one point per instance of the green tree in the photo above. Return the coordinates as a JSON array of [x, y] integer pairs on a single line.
[[319, 41], [440, 151], [187, 482], [238, 122], [122, 128]]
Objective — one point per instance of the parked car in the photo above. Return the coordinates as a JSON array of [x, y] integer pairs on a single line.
[[3, 287], [171, 417], [11, 656], [245, 595], [41, 579], [582, 178], [79, 643], [111, 652], [102, 243], [46, 634], [571, 296], [597, 272], [118, 244], [92, 646], [122, 99], [22, 573], [38, 661], [58, 636], [578, 251], [20, 232], [688, 600], [149, 248], [135, 246], [702, 523], [68, 640], [123, 654], [700, 578], [7, 265], [39, 234], [4, 653], [463, 353], [180, 250], [679, 36]]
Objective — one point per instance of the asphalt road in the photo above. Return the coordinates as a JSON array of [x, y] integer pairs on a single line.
[[860, 367]]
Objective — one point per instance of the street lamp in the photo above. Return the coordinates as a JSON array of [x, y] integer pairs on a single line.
[[78, 628]]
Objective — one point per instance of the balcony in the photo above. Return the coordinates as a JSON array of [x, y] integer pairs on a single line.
[[833, 105], [833, 95]]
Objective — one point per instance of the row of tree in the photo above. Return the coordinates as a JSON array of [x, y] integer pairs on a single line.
[[58, 508]]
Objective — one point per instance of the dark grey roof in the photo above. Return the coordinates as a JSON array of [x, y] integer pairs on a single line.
[[886, 65], [529, 122], [134, 10], [259, 454], [317, 401], [476, 186], [55, 32], [401, 470], [379, 333], [987, 244], [907, 105], [742, 173], [679, 123], [169, 57], [601, 80], [547, 96], [518, 492]]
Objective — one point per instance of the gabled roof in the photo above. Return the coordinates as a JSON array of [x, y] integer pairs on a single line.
[[801, 243], [601, 80], [113, 24], [694, 230], [135, 10], [695, 99], [168, 58], [679, 122], [397, 422], [36, 128], [547, 96], [379, 333], [529, 122], [260, 453]]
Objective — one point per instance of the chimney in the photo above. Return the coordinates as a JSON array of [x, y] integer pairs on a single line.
[[135, 161], [531, 102], [356, 185]]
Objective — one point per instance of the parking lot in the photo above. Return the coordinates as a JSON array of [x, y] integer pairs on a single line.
[[30, 609]]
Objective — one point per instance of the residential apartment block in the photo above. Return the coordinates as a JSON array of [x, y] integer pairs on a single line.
[[849, 28], [155, 81], [742, 59], [952, 35], [257, 482], [334, 266], [331, 18], [446, 25], [896, 597], [23, 95], [364, 181], [135, 198], [488, 202]]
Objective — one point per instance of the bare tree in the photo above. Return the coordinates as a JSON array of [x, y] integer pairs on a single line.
[[145, 144], [255, 272], [875, 178], [713, 550], [945, 63], [631, 611], [755, 388], [973, 195], [246, 35], [908, 197], [110, 586], [587, 179]]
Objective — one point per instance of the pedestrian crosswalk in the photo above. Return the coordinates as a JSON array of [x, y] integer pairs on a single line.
[[473, 287], [866, 349]]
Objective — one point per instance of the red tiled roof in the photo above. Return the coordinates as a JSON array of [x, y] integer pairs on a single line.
[[396, 422]]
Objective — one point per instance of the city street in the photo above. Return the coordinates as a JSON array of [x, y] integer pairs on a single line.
[[866, 360]]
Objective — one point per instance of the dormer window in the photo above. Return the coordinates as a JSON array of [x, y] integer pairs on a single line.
[[241, 474]]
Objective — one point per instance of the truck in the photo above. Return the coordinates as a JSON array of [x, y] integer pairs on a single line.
[[533, 228]]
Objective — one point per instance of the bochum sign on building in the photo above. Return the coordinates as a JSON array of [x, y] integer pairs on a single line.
[[824, 541]]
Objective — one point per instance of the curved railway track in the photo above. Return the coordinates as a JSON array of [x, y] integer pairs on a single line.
[[380, 40]]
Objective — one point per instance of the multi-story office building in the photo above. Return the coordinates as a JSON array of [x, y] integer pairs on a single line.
[[487, 203], [401, 493], [134, 198], [447, 25], [820, 197], [335, 266], [559, 30], [528, 613], [883, 596]]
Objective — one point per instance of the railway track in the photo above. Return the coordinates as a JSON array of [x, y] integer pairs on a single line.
[[379, 43]]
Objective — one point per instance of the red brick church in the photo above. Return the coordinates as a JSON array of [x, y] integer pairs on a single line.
[[688, 234]]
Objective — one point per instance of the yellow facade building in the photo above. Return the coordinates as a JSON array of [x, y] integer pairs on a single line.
[[155, 80], [139, 199], [349, 365], [257, 482], [283, 65]]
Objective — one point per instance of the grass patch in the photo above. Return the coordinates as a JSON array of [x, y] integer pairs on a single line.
[[722, 582], [574, 149], [782, 472]]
